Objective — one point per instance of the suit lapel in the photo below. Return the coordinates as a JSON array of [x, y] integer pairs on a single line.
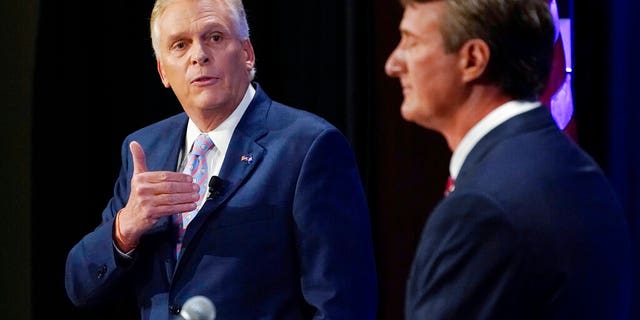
[[242, 157]]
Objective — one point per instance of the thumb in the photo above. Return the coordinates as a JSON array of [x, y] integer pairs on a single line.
[[139, 160]]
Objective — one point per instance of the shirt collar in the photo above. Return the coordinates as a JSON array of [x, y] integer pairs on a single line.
[[221, 135], [484, 126]]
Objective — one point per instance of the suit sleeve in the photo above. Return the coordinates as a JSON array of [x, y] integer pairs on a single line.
[[469, 264], [334, 232]]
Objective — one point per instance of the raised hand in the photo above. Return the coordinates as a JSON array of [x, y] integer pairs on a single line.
[[154, 194]]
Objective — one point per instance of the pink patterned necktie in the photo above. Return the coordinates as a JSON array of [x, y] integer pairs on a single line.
[[196, 167]]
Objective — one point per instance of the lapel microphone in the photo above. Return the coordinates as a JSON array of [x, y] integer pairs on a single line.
[[215, 186]]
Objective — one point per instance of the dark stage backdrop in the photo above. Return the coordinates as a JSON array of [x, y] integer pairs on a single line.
[[80, 75], [18, 22]]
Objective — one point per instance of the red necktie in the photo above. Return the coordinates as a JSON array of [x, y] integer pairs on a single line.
[[450, 186]]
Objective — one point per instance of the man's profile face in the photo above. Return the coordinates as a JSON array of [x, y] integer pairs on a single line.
[[201, 57], [428, 74]]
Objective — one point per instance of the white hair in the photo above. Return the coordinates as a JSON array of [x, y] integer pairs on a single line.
[[238, 17]]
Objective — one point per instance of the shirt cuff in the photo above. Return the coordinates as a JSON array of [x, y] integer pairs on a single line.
[[127, 255]]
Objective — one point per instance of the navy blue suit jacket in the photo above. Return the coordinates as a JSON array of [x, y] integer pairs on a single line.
[[288, 237], [532, 231]]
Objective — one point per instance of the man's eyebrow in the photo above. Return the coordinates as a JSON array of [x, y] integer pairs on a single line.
[[209, 27], [174, 36]]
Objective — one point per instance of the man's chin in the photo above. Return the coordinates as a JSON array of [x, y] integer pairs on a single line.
[[417, 114], [407, 111]]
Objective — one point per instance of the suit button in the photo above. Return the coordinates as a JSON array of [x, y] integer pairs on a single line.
[[102, 271], [173, 309]]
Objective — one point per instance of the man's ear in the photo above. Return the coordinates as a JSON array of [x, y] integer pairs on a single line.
[[250, 57], [474, 58], [165, 82]]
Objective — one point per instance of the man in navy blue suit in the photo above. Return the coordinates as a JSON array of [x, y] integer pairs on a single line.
[[530, 228], [284, 233]]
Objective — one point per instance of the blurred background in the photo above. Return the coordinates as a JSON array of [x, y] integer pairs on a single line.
[[78, 76]]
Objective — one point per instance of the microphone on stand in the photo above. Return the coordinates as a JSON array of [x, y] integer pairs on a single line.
[[198, 308]]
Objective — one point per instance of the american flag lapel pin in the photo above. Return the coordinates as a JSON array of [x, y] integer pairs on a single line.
[[247, 158]]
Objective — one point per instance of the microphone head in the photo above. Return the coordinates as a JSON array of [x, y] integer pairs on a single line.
[[215, 183], [198, 308]]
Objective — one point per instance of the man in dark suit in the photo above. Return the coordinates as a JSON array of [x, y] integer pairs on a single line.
[[284, 230], [530, 228]]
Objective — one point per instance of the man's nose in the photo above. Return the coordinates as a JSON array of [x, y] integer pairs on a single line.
[[199, 55], [393, 65]]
